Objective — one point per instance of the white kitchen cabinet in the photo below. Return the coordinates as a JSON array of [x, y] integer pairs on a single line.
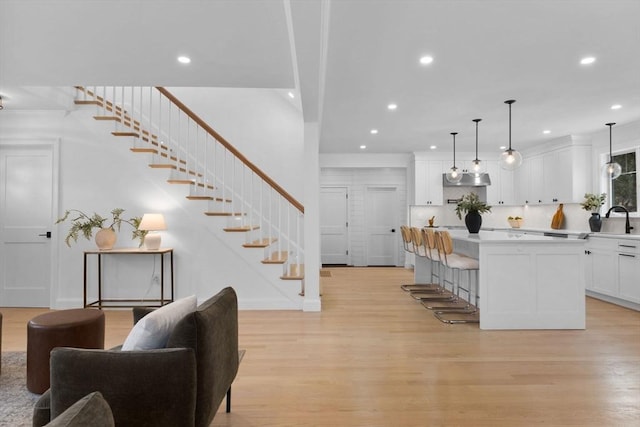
[[601, 274], [629, 270], [428, 184], [558, 176], [502, 188], [612, 270]]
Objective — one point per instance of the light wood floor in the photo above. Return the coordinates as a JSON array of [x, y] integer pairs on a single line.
[[376, 357]]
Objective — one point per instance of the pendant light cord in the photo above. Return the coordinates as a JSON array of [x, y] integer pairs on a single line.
[[454, 148], [509, 102], [610, 146], [476, 120]]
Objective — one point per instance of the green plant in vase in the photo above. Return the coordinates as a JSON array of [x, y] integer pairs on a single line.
[[592, 203], [473, 208], [84, 225]]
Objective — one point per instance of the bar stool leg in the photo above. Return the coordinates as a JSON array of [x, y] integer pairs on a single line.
[[469, 310]]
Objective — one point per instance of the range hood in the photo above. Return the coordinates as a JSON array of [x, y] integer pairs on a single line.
[[468, 180]]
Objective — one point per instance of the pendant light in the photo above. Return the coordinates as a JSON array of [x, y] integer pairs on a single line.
[[454, 175], [611, 170], [510, 159], [477, 167]]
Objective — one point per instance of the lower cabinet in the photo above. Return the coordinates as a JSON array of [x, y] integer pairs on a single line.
[[612, 270], [629, 271]]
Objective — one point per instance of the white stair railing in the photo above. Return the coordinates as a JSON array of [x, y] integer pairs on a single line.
[[175, 138]]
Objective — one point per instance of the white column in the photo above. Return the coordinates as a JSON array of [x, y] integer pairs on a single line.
[[311, 219]]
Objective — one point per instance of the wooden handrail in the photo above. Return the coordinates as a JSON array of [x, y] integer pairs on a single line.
[[231, 148]]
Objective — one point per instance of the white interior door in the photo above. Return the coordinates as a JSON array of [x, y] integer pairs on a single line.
[[334, 239], [26, 216], [382, 225]]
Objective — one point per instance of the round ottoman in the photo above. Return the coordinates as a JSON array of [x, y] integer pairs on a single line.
[[80, 328]]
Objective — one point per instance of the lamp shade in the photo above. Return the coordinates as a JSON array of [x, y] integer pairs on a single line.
[[152, 222]]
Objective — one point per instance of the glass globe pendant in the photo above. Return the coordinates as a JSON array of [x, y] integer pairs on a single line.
[[510, 159], [454, 175], [477, 167], [611, 169]]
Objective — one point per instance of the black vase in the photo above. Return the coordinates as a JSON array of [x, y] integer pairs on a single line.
[[595, 222], [473, 221]]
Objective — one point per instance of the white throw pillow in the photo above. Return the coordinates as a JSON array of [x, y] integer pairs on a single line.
[[154, 329]]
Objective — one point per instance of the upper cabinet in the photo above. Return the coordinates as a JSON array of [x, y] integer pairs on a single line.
[[502, 188], [558, 176], [428, 184]]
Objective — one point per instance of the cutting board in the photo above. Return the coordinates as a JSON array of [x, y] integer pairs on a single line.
[[558, 218]]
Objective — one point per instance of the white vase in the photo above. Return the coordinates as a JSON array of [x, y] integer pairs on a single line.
[[106, 238]]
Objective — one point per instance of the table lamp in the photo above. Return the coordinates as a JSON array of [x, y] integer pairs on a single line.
[[152, 222]]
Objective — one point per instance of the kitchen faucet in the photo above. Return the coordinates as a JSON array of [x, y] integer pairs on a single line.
[[627, 226]]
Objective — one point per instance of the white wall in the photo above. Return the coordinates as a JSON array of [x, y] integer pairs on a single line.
[[264, 124], [99, 173]]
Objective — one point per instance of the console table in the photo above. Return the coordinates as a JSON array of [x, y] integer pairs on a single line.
[[101, 302]]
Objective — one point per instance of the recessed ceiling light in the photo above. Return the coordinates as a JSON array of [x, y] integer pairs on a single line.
[[184, 59], [291, 95], [616, 107], [426, 60], [433, 147], [502, 147], [392, 106], [588, 60], [362, 147], [374, 131], [546, 131]]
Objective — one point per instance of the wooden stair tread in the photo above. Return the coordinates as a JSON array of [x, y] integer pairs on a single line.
[[209, 186], [87, 102], [276, 258], [242, 228], [180, 181], [162, 166], [296, 272], [199, 198], [134, 134], [144, 150], [210, 213], [260, 243], [114, 118]]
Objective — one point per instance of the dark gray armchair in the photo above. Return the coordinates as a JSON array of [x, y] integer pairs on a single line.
[[180, 385]]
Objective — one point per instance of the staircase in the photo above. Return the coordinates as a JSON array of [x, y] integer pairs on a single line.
[[216, 174]]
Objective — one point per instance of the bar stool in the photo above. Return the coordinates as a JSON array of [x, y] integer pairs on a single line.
[[457, 263], [421, 249], [437, 267], [410, 246]]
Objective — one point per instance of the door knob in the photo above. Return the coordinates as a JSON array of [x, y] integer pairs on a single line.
[[393, 230], [47, 235]]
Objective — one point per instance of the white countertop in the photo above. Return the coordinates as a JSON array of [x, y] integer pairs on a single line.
[[507, 236], [615, 236]]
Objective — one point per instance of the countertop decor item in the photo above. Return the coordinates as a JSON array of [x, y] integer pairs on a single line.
[[558, 218], [83, 224], [473, 207], [515, 221], [592, 203]]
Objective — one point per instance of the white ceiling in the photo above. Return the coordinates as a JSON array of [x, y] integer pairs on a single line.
[[349, 59]]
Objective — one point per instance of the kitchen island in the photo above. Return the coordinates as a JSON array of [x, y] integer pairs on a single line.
[[525, 281]]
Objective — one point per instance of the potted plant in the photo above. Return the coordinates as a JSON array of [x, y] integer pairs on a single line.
[[83, 224], [592, 203], [471, 205], [515, 221]]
